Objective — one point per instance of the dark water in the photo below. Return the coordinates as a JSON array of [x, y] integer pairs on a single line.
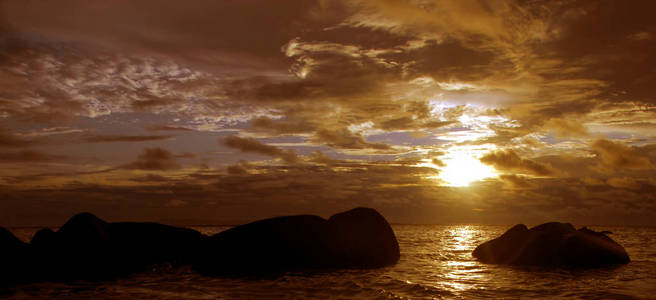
[[435, 263]]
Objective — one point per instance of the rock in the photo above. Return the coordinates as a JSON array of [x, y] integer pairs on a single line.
[[359, 238], [365, 238], [89, 248], [43, 238], [14, 258], [78, 250], [552, 244], [142, 244]]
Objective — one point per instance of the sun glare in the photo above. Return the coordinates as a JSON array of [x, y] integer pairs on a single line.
[[462, 168]]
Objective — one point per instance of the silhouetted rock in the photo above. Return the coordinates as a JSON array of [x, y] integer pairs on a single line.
[[552, 244], [144, 243], [13, 258], [87, 247], [365, 238], [359, 238], [43, 238]]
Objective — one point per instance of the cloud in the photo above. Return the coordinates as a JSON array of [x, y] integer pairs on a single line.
[[240, 168], [154, 159], [515, 181], [566, 128], [345, 139], [167, 128], [321, 158], [150, 178], [29, 156], [282, 127], [438, 162], [7, 139], [124, 138], [53, 131], [253, 146], [409, 123], [624, 183], [619, 156], [339, 76], [509, 161]]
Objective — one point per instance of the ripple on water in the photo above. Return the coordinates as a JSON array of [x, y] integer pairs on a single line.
[[435, 262]]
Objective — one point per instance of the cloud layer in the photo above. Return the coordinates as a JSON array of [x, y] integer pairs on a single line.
[[323, 105]]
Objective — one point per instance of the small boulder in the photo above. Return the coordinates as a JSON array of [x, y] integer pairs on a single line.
[[552, 244]]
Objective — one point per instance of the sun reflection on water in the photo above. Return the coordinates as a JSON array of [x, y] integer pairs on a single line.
[[461, 269]]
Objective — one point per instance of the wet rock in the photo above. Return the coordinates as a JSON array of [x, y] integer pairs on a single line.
[[359, 238], [552, 244]]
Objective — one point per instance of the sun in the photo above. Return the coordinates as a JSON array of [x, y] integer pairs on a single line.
[[462, 168]]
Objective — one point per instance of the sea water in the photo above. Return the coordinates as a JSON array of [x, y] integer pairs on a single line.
[[436, 263]]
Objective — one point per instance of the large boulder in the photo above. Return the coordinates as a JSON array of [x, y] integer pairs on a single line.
[[87, 247], [140, 244], [552, 244], [364, 239], [359, 238], [14, 258]]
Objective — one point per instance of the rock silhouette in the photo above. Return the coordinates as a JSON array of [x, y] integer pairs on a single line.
[[552, 244], [359, 238], [13, 258], [88, 248]]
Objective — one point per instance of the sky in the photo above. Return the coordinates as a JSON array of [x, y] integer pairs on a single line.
[[431, 112]]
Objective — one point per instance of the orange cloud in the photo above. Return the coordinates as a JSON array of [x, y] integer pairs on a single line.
[[253, 146], [509, 161]]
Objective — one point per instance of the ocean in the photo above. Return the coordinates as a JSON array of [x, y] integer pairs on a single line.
[[436, 263]]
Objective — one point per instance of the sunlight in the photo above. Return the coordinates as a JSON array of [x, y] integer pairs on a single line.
[[462, 168]]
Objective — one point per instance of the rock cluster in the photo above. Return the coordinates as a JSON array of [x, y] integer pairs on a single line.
[[89, 248], [552, 244]]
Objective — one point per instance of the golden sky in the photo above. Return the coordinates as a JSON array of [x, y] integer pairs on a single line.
[[429, 111]]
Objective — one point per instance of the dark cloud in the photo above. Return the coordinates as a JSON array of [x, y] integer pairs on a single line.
[[155, 159], [124, 138], [167, 128], [509, 161], [515, 181], [345, 139], [29, 156], [618, 156], [321, 158], [624, 183], [225, 27], [409, 123], [150, 178], [239, 169], [593, 38], [253, 146], [282, 127], [7, 139], [398, 190]]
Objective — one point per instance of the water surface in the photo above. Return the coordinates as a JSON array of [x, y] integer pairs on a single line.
[[435, 263]]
